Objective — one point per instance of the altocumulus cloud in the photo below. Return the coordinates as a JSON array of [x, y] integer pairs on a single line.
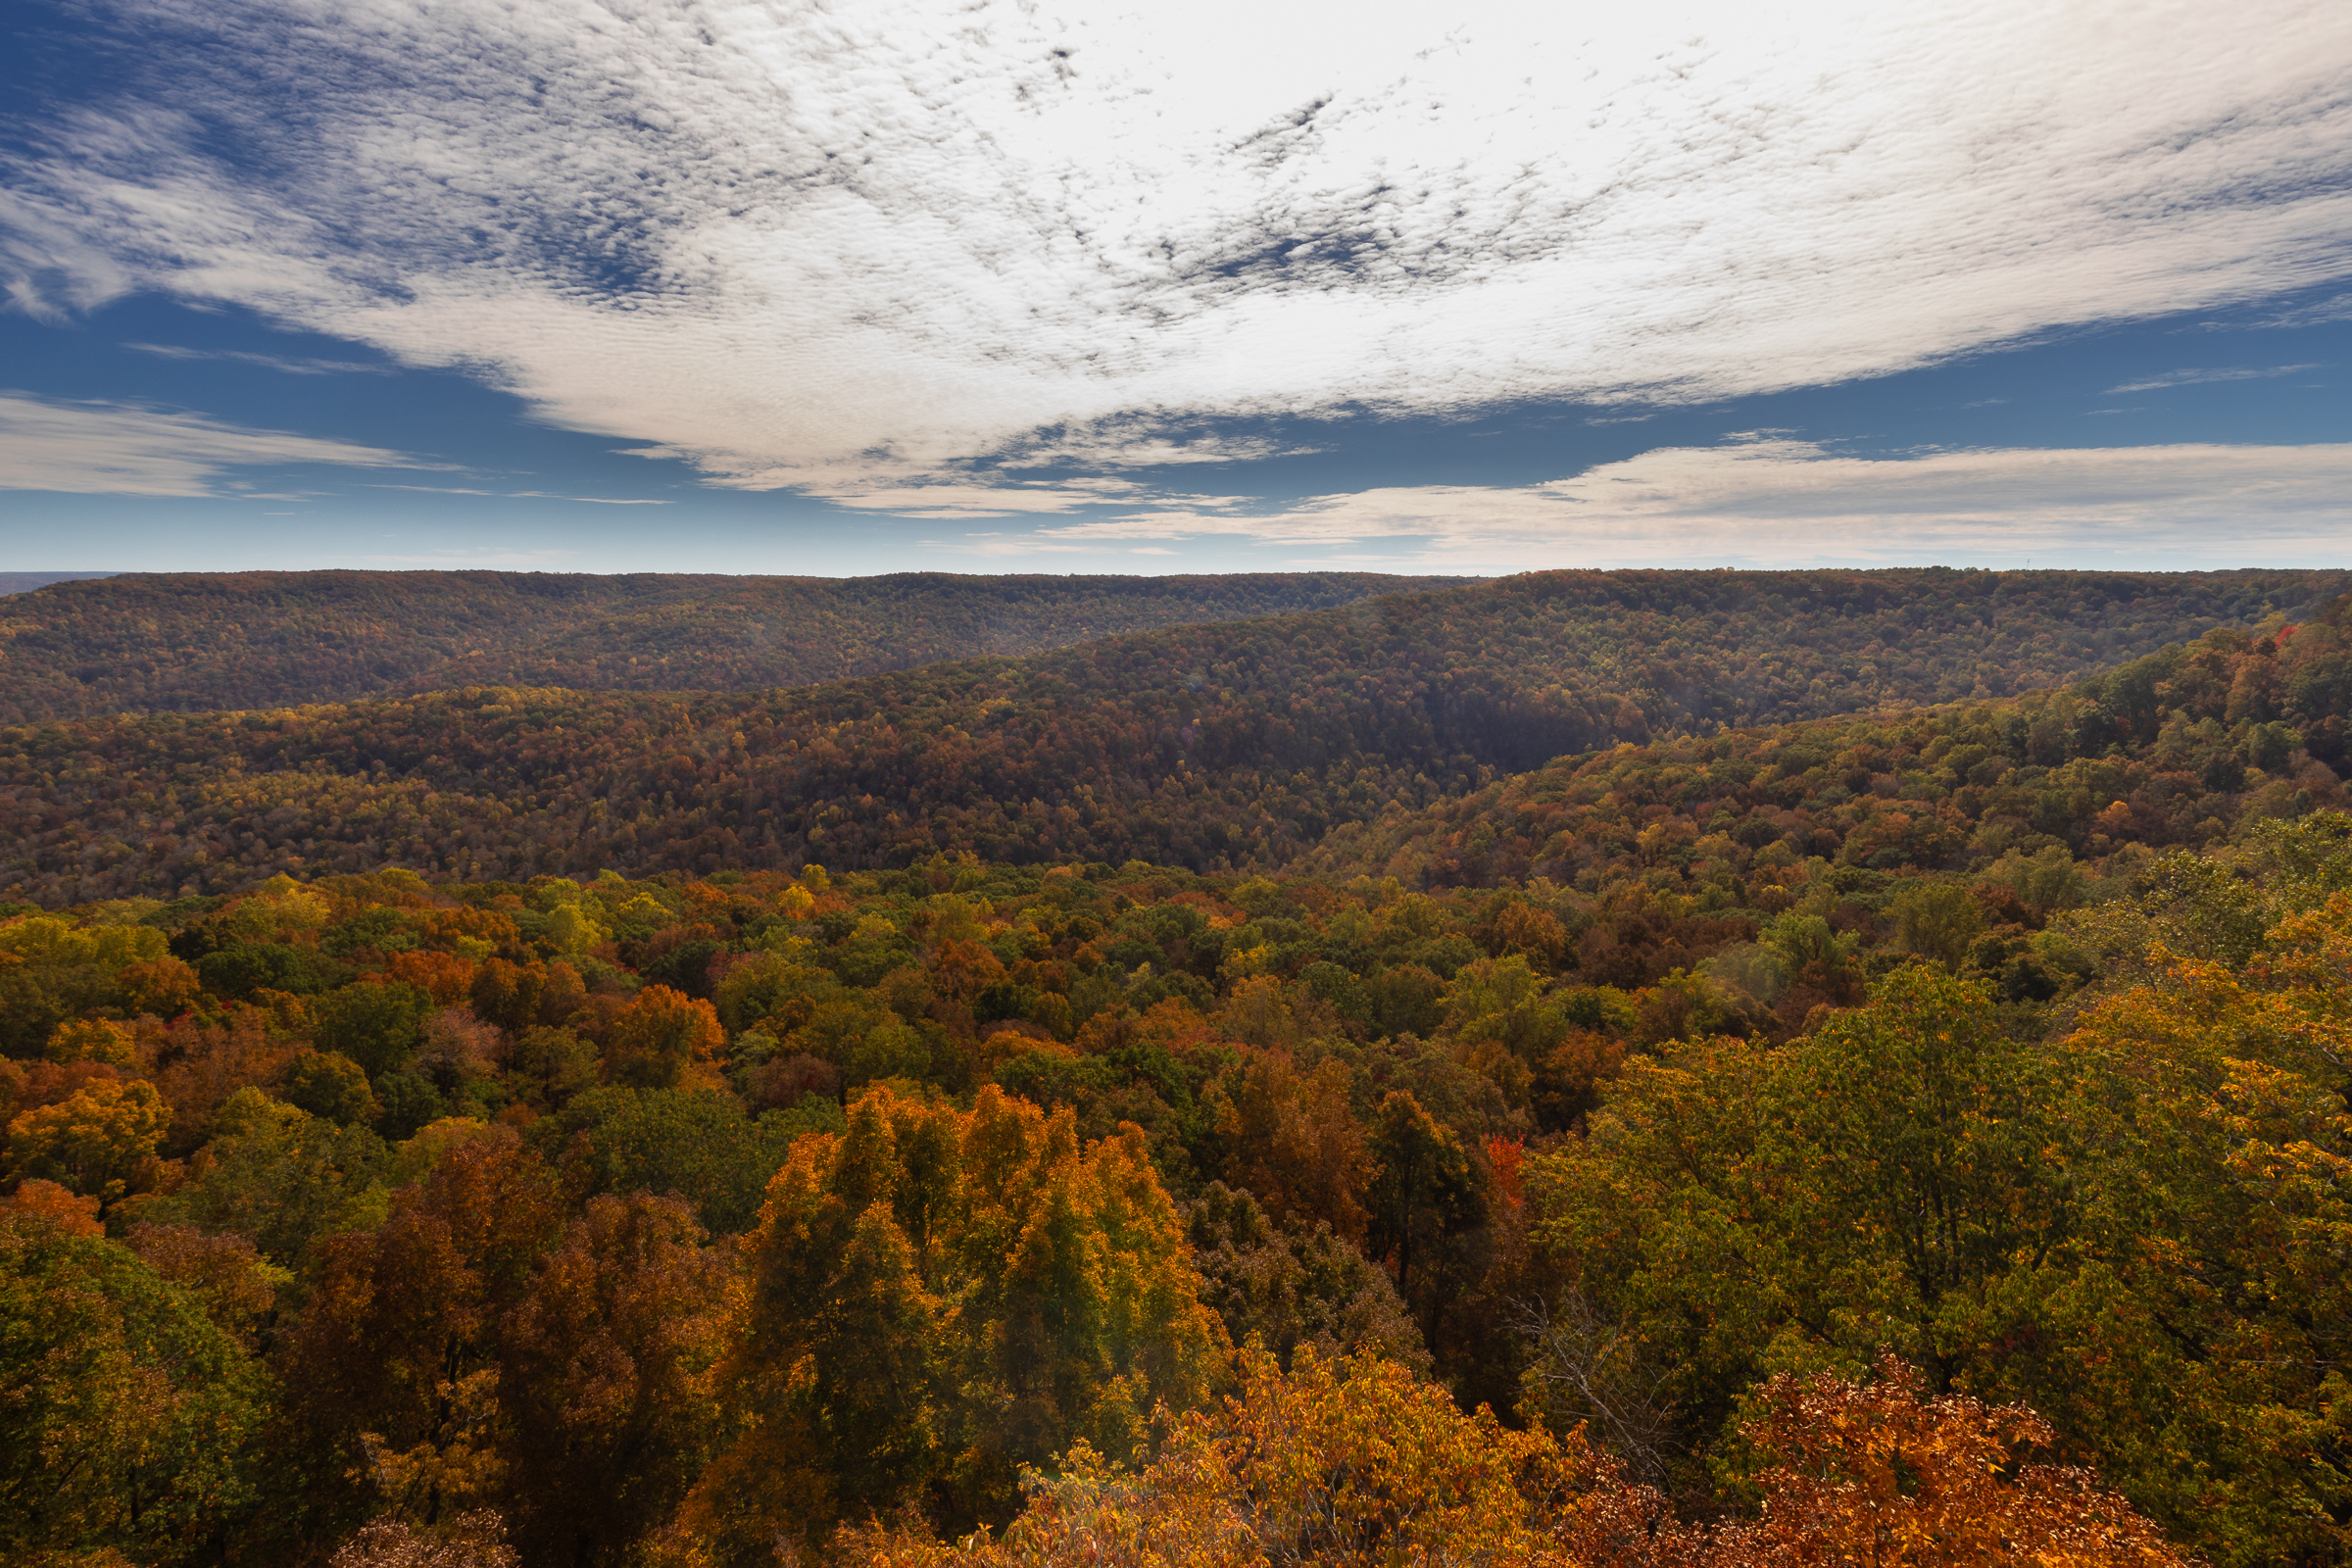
[[884, 248], [1774, 502]]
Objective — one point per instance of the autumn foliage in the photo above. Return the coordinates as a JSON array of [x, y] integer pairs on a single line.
[[1243, 744], [1355, 1462], [1901, 1137]]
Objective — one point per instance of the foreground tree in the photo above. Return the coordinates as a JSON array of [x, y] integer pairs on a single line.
[[938, 1298], [1880, 1473], [1357, 1463], [392, 1373], [603, 1380], [123, 1409]]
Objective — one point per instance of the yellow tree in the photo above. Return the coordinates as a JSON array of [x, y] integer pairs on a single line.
[[2208, 1306], [95, 1140], [1355, 1463], [937, 1298]]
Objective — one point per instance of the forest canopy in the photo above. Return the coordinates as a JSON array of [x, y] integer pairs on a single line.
[[651, 1220], [1863, 1097]]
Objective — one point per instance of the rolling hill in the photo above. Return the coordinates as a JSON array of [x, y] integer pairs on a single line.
[[175, 643], [1238, 744]]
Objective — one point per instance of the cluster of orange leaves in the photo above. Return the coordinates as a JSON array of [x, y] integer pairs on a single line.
[[1355, 1461]]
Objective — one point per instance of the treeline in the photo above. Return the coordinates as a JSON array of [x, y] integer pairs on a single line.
[[684, 1220], [188, 642], [1214, 747]]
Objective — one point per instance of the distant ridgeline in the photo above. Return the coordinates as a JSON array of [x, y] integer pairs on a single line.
[[183, 643], [1245, 743], [25, 582]]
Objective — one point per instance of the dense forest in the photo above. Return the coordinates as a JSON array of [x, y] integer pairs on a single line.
[[1633, 1070], [1214, 747], [2173, 749], [188, 642], [1125, 1214]]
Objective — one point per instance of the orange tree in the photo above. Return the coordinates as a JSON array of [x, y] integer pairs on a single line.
[[1356, 1462]]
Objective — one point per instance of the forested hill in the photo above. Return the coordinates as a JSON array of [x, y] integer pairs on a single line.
[[1216, 746], [2173, 750], [185, 643]]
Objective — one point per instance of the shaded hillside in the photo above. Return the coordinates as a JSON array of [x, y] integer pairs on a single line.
[[2178, 748], [237, 640], [1220, 746]]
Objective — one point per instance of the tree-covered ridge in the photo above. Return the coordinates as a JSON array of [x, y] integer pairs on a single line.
[[187, 642], [1229, 745], [2174, 749], [372, 1211]]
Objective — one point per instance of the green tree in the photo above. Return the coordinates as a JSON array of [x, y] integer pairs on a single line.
[[1913, 1140], [1937, 920], [125, 1411], [1424, 1195], [696, 1144], [378, 1026], [279, 1177], [329, 1084]]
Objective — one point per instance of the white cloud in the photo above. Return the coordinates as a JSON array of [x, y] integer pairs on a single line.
[[947, 501], [118, 449], [594, 501], [534, 495], [845, 248], [1779, 502], [2205, 376], [272, 362], [2314, 313], [1111, 448]]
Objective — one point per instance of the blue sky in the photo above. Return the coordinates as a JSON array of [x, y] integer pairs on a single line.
[[749, 286]]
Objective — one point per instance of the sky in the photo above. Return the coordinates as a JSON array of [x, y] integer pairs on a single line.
[[758, 286]]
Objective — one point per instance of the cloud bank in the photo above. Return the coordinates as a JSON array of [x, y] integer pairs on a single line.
[[852, 249], [117, 449], [1781, 503]]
